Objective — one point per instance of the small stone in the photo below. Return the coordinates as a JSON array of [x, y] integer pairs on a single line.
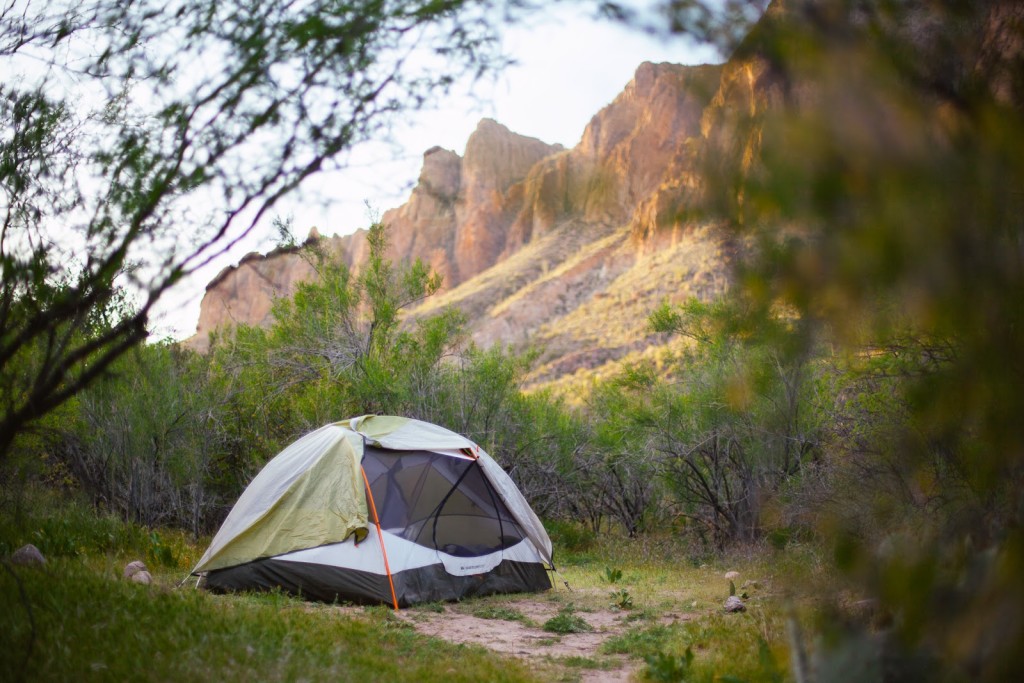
[[133, 568], [27, 556], [734, 604], [142, 577], [732, 575]]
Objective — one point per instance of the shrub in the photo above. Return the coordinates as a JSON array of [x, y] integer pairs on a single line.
[[566, 621]]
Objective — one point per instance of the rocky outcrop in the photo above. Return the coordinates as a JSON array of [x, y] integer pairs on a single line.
[[533, 239], [570, 249], [245, 293], [626, 151], [456, 218]]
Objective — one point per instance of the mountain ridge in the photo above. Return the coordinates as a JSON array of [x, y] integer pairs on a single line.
[[523, 232], [535, 240]]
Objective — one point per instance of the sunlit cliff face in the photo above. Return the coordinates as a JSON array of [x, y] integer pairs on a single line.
[[533, 239]]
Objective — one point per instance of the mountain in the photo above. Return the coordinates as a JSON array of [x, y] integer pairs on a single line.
[[571, 249], [567, 248]]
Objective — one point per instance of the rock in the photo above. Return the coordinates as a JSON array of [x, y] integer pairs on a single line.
[[469, 212], [27, 556], [732, 576], [133, 568], [734, 604], [143, 577], [548, 235]]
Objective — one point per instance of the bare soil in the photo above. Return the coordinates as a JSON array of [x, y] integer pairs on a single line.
[[525, 638]]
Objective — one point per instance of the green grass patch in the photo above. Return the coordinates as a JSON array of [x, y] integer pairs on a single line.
[[567, 621], [717, 647], [433, 607], [640, 641], [641, 615], [84, 623], [576, 662], [75, 617]]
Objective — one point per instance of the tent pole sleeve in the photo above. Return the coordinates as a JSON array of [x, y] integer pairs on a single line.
[[380, 536]]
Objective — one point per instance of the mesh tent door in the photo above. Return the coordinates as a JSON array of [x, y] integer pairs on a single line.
[[440, 501]]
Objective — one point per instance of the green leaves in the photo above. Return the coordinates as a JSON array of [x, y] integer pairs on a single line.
[[665, 667], [567, 621], [612, 575], [160, 134]]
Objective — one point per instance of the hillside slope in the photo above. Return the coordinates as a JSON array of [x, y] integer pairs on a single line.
[[565, 249]]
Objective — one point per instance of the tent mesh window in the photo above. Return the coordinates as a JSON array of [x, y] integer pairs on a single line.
[[439, 501]]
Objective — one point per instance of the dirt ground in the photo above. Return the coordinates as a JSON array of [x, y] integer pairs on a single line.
[[525, 638]]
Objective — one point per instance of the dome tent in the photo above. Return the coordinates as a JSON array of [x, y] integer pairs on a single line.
[[442, 520]]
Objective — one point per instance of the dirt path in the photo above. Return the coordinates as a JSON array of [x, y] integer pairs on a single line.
[[520, 634]]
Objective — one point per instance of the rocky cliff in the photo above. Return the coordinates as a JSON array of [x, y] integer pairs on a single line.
[[570, 249], [467, 214]]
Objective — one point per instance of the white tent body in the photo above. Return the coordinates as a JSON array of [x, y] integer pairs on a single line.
[[443, 520]]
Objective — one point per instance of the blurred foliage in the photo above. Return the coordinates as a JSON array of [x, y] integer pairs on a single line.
[[720, 438], [875, 171]]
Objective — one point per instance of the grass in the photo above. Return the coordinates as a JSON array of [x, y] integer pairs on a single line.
[[584, 663], [76, 617], [678, 594], [566, 621], [110, 629], [640, 641]]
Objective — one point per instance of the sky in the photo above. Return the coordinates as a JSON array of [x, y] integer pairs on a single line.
[[568, 65]]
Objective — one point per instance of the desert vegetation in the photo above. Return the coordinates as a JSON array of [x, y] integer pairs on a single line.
[[843, 426]]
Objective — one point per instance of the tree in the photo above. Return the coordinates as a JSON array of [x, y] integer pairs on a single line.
[[734, 424], [144, 441], [337, 346], [139, 141], [878, 171]]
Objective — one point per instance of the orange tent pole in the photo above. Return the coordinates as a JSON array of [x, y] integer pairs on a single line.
[[380, 536]]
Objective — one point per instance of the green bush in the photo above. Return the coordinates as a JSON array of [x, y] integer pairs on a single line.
[[63, 526], [566, 621], [663, 667], [570, 536]]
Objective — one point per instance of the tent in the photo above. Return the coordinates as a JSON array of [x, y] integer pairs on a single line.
[[380, 509]]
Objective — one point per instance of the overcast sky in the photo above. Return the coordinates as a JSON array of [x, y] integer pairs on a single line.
[[568, 66]]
